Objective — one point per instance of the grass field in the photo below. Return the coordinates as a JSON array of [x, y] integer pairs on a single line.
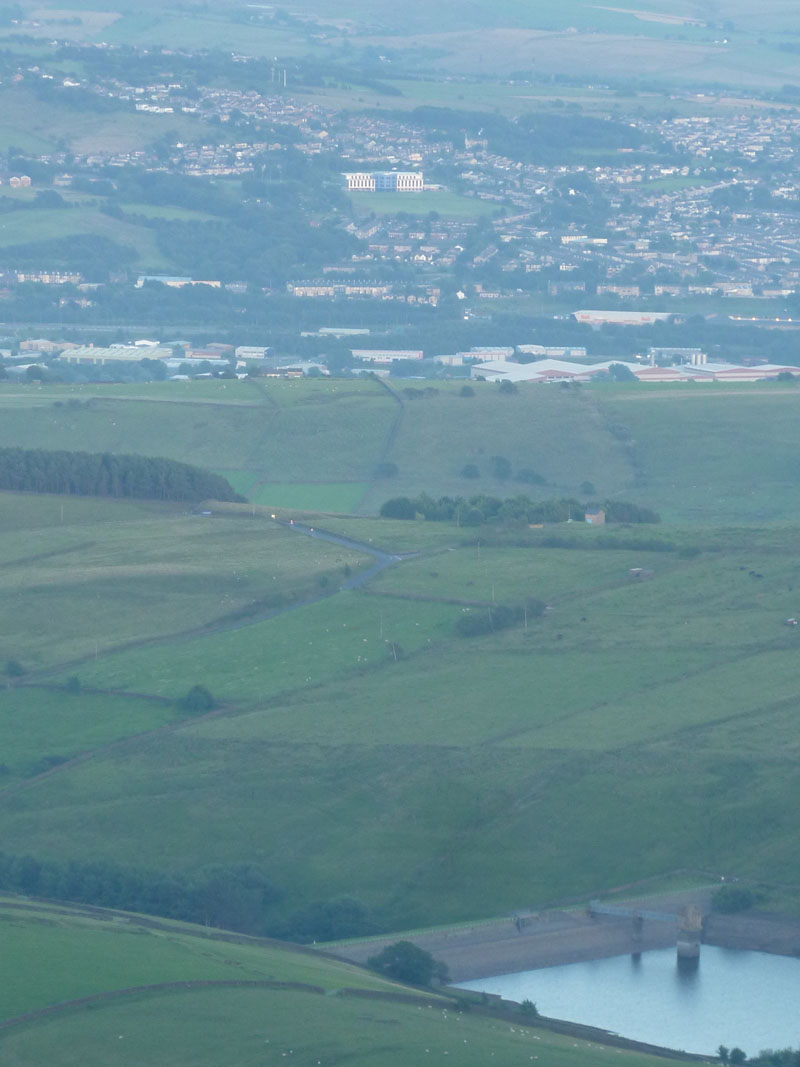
[[450, 205], [344, 496], [308, 433], [602, 742], [56, 955], [29, 123], [77, 588], [637, 727], [25, 227], [713, 453]]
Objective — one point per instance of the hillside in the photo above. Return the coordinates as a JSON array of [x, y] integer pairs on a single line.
[[105, 989], [600, 743], [711, 453]]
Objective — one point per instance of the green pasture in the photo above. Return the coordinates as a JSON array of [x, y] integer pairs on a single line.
[[483, 573], [29, 122], [26, 227], [31, 515], [200, 390], [704, 453], [40, 727], [338, 636], [171, 29], [324, 496], [226, 1027], [71, 592], [158, 211], [639, 726], [474, 771], [448, 204], [60, 953], [391, 535], [266, 1026], [558, 434], [333, 434], [728, 454]]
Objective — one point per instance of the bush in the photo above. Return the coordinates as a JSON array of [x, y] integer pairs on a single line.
[[386, 470], [14, 668], [408, 963], [470, 470], [730, 899], [399, 507], [198, 700], [529, 477], [466, 390]]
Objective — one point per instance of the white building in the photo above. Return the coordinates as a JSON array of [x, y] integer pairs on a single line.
[[385, 355], [385, 181], [251, 352], [622, 318], [91, 356], [544, 370]]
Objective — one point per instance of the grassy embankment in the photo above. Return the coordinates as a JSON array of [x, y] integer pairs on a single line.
[[53, 957]]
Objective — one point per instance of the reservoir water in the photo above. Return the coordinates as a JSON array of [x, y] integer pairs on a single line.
[[749, 999]]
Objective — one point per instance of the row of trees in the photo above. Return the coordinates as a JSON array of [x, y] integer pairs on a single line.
[[103, 474], [476, 510], [240, 897], [233, 897]]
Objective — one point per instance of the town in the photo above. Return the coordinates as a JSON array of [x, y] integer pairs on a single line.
[[684, 214]]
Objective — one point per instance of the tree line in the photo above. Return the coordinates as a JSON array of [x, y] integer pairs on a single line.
[[102, 474], [240, 897], [476, 510]]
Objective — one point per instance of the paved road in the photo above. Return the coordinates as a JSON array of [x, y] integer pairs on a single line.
[[382, 559], [356, 581]]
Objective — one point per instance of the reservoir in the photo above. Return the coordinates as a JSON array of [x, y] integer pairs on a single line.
[[731, 997]]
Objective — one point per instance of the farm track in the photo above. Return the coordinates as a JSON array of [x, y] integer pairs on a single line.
[[382, 561]]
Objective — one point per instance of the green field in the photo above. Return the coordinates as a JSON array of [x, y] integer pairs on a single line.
[[36, 125], [710, 453], [317, 444], [75, 590], [53, 956], [450, 205], [45, 224], [476, 772]]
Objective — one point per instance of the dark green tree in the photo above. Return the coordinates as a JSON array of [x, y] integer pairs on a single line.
[[198, 700], [407, 962], [729, 899]]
